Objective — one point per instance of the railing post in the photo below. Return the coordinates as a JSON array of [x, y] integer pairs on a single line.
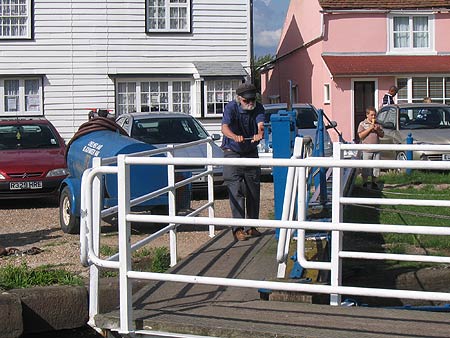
[[409, 153], [172, 208], [336, 235], [211, 211], [123, 200], [97, 204]]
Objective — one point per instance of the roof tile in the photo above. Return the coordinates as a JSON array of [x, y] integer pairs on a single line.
[[383, 4], [360, 65]]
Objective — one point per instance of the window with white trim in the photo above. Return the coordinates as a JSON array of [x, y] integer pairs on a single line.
[[153, 95], [21, 96], [218, 94], [15, 20], [415, 89], [326, 93], [411, 33], [168, 15]]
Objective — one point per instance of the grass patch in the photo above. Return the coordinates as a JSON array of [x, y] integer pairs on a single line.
[[107, 251], [420, 185], [145, 259], [13, 277], [161, 260]]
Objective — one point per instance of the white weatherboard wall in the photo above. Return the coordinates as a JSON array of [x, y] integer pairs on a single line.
[[80, 46]]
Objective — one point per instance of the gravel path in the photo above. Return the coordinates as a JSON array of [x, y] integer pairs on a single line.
[[36, 224]]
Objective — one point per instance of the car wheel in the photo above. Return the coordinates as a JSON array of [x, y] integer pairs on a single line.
[[401, 156], [70, 224]]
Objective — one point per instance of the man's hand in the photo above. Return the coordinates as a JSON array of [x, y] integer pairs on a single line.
[[258, 137], [238, 138]]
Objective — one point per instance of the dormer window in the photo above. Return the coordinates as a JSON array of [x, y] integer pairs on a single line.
[[411, 33], [169, 16]]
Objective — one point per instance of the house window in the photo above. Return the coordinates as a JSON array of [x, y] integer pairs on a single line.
[[415, 89], [218, 94], [21, 96], [168, 15], [15, 19], [326, 93], [413, 32], [153, 95]]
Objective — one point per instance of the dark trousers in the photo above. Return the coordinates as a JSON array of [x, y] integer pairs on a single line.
[[243, 187]]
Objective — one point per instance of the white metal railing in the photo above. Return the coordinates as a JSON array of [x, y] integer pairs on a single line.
[[336, 226], [92, 213]]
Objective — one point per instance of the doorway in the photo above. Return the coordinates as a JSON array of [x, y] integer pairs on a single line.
[[363, 97]]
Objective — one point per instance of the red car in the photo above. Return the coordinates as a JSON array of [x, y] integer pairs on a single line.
[[32, 162]]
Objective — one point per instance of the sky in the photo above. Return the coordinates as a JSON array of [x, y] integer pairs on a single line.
[[268, 20]]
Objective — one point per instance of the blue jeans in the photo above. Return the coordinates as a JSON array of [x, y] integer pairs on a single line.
[[243, 185]]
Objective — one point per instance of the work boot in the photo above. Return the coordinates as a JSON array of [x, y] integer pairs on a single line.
[[240, 235], [252, 232]]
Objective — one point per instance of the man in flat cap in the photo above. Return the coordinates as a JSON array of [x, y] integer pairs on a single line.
[[242, 129]]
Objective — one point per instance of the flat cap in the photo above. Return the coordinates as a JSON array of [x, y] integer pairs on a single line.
[[246, 90]]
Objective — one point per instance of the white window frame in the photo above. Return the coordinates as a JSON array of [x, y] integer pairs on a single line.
[[168, 6], [21, 98], [10, 12], [409, 89], [411, 50], [134, 100], [219, 97]]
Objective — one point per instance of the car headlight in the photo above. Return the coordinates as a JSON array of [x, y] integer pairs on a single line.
[[2, 177], [58, 172]]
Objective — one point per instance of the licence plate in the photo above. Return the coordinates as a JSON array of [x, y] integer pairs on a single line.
[[445, 157], [25, 185]]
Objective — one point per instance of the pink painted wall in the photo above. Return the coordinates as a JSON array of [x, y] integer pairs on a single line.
[[442, 29], [357, 33], [295, 63], [344, 33]]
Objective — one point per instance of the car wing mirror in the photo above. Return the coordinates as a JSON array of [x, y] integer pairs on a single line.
[[332, 124], [215, 137], [388, 125]]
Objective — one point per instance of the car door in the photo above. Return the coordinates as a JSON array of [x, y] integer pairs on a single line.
[[387, 118]]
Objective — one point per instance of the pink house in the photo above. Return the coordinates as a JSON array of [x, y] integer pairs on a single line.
[[343, 55]]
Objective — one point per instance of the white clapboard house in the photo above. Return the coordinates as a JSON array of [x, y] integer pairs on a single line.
[[61, 58]]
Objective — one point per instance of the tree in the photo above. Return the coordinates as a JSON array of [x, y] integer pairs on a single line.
[[256, 65]]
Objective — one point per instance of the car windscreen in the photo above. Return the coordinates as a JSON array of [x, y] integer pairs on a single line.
[[168, 130], [424, 118], [27, 136], [306, 117]]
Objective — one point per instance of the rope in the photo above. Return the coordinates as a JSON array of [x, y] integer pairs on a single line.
[[404, 212], [17, 252], [96, 124]]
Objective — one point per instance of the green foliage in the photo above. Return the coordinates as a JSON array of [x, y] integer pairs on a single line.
[[107, 251], [161, 259], [143, 252], [256, 64], [22, 276]]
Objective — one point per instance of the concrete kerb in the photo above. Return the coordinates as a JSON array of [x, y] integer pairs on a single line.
[[50, 308]]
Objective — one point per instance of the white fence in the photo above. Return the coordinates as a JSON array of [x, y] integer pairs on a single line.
[[295, 187]]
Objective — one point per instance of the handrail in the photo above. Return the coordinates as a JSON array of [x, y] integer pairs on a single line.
[[296, 191]]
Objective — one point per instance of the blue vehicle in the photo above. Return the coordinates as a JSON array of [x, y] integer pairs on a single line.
[[106, 143]]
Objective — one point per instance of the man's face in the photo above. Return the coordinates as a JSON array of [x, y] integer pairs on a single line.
[[393, 92], [247, 104]]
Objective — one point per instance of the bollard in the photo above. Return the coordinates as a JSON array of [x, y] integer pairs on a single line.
[[283, 136], [409, 154]]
